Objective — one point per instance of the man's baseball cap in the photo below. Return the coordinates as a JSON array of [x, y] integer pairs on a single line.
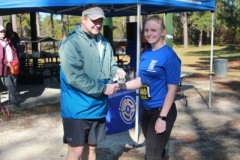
[[94, 13], [2, 29]]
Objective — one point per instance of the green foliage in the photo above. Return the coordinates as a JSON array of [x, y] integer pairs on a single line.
[[45, 26], [177, 29], [73, 21], [200, 21], [25, 25], [227, 25], [119, 28], [228, 20], [58, 30]]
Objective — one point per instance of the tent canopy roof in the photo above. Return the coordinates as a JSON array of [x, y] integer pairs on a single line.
[[112, 8]]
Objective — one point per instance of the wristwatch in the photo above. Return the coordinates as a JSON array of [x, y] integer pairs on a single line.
[[162, 118]]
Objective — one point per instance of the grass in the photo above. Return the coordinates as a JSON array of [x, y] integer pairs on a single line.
[[197, 60]]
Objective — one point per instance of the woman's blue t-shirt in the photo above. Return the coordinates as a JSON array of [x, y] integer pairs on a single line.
[[157, 69]]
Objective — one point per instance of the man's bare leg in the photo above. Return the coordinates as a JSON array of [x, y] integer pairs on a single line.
[[74, 153], [89, 152]]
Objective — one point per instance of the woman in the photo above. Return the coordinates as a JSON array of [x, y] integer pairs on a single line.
[[158, 79], [8, 80]]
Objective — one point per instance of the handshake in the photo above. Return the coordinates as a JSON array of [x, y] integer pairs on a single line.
[[111, 89]]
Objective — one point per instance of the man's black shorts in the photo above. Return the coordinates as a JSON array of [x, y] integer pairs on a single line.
[[78, 132]]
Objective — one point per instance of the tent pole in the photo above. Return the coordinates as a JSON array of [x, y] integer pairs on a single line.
[[211, 63], [137, 91]]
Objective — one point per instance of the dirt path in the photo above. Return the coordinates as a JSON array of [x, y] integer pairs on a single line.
[[199, 133], [32, 134]]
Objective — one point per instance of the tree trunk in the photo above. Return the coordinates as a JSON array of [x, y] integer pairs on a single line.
[[64, 26], [38, 29], [14, 22], [52, 26], [200, 38], [38, 24], [33, 31], [185, 29], [21, 26], [234, 39], [1, 20]]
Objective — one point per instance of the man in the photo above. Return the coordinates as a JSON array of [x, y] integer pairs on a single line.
[[87, 65]]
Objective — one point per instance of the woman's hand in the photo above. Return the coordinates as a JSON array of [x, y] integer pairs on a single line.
[[160, 126]]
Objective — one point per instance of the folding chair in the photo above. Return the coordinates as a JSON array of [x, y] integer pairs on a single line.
[[4, 107]]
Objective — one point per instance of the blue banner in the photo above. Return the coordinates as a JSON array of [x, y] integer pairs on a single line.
[[121, 112]]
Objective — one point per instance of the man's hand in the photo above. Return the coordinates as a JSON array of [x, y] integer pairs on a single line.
[[111, 89]]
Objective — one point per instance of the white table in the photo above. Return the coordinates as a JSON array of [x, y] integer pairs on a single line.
[[182, 77]]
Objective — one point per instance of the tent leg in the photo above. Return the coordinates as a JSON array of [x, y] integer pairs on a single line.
[[138, 57], [211, 63]]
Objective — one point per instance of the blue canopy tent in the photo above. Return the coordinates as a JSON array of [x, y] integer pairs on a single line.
[[112, 8], [116, 8]]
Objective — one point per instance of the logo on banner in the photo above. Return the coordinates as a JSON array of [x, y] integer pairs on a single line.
[[127, 109]]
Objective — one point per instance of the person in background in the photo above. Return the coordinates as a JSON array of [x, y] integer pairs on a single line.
[[8, 80], [87, 66], [158, 79], [12, 37], [131, 49]]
